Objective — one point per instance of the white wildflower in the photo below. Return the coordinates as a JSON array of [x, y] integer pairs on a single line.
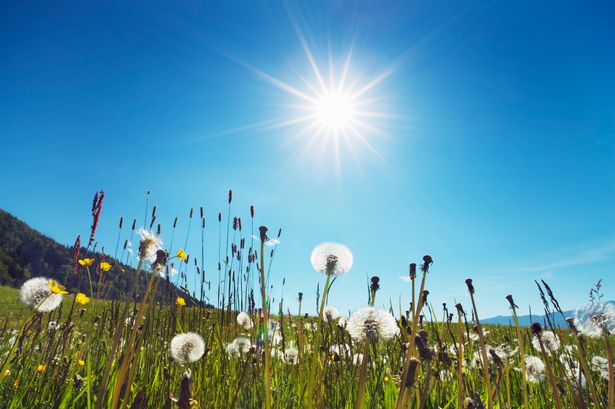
[[595, 318], [36, 294], [291, 355], [372, 323], [240, 345], [505, 351], [601, 365], [445, 375], [330, 313], [187, 347], [342, 350], [244, 320], [475, 336], [149, 245], [550, 341], [331, 258], [535, 369]]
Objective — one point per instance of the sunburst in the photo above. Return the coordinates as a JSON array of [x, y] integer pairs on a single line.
[[331, 107]]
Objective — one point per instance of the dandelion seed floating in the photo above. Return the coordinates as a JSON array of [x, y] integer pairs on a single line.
[[187, 347]]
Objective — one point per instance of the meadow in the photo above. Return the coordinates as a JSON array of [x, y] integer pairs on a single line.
[[72, 348]]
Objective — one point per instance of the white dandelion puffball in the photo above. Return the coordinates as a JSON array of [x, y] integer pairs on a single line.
[[601, 365], [372, 324], [149, 245], [342, 322], [330, 313], [535, 369], [331, 258], [341, 350], [240, 345], [244, 320], [550, 341], [35, 293], [187, 347], [595, 318], [505, 351], [291, 355]]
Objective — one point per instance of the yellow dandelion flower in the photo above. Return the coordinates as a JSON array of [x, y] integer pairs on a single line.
[[41, 368], [81, 362], [16, 383], [105, 266], [180, 302], [86, 262], [181, 254], [56, 288], [386, 378], [82, 299], [6, 372]]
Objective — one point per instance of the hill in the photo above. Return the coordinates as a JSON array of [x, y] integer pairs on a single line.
[[527, 320], [26, 253]]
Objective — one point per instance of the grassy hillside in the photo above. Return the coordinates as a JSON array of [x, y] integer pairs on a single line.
[[26, 253]]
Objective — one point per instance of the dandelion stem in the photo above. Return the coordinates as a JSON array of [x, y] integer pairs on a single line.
[[266, 335], [609, 354]]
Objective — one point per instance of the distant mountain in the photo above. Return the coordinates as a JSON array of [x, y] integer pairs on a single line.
[[26, 253], [527, 320]]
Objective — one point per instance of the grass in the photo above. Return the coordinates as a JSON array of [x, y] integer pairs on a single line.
[[109, 354]]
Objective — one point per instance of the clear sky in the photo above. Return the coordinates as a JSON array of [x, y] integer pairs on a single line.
[[490, 142]]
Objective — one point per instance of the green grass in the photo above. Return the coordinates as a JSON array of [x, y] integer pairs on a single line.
[[219, 380]]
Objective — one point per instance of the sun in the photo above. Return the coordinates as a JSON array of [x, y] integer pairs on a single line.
[[335, 111], [331, 106]]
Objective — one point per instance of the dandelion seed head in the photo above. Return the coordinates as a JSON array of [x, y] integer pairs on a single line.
[[331, 258], [291, 355], [238, 346], [550, 341], [372, 324], [601, 365], [187, 347], [149, 245], [244, 320], [330, 313], [595, 318], [535, 369], [505, 351], [342, 350], [36, 294]]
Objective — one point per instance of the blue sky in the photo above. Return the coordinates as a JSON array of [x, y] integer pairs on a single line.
[[496, 154]]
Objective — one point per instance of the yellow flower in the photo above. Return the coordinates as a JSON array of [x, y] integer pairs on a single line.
[[56, 288], [81, 362], [105, 266], [41, 368], [86, 262], [181, 254], [16, 383], [6, 372], [82, 299], [180, 302], [386, 378]]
